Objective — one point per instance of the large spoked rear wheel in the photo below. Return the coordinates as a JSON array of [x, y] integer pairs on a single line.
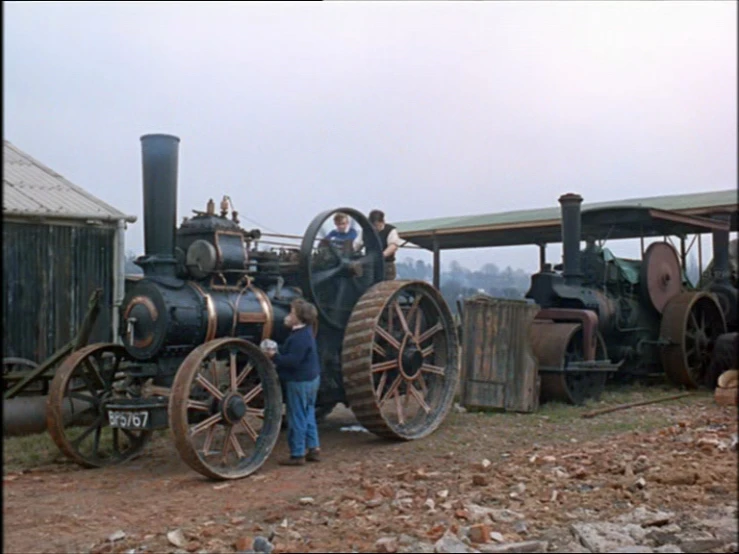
[[225, 409], [400, 360], [75, 410]]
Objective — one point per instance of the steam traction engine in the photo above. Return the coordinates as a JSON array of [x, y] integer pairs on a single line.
[[188, 358], [603, 315]]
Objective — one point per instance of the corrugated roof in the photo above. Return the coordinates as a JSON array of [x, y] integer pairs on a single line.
[[543, 225], [678, 202], [32, 189]]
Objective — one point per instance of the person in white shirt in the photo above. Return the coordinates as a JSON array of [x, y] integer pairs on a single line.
[[389, 239]]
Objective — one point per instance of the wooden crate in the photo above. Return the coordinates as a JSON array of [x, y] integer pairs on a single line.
[[499, 369]]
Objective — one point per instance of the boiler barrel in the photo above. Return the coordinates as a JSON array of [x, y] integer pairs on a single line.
[[161, 316]]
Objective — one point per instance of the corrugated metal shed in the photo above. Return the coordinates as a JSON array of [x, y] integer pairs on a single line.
[[32, 189], [524, 226], [60, 243]]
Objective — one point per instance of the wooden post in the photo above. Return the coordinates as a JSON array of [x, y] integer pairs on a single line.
[[542, 256], [700, 261], [437, 264], [683, 254]]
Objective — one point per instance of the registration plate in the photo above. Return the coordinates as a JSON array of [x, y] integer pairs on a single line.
[[128, 420]]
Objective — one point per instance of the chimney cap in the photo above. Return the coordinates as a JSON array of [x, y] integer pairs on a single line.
[[570, 198], [160, 135]]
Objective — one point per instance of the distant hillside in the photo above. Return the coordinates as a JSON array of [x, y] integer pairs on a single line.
[[457, 282]]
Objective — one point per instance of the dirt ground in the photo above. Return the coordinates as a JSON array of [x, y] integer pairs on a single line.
[[549, 469]]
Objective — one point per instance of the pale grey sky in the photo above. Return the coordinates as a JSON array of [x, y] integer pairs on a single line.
[[423, 109]]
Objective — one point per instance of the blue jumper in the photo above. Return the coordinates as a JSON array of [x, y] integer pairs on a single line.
[[297, 358], [336, 235]]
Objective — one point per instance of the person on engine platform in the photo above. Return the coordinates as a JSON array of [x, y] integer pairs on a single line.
[[344, 234], [299, 369], [389, 239]]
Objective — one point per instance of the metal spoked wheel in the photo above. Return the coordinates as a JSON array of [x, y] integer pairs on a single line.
[[75, 412], [333, 276], [400, 360], [14, 368], [660, 275], [557, 345], [225, 409], [691, 322]]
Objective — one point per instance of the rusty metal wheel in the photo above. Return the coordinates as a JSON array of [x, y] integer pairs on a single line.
[[557, 345], [660, 275], [225, 409], [400, 360], [691, 323], [82, 385], [15, 368]]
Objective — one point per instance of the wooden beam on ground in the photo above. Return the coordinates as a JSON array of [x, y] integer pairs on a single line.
[[635, 404]]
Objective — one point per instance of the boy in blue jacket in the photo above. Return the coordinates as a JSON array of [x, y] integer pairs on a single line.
[[299, 369]]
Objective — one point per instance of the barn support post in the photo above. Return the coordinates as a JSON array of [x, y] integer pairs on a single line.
[[542, 256], [119, 270], [700, 261], [683, 254], [437, 264]]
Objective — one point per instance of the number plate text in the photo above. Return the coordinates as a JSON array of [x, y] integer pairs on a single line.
[[128, 420]]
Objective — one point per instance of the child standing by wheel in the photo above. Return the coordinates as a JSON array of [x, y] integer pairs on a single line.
[[298, 366]]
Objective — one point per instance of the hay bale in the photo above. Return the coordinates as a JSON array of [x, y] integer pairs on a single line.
[[727, 397], [729, 379]]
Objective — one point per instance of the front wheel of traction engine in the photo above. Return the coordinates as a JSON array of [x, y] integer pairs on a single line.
[[75, 412], [559, 347], [400, 359], [225, 409]]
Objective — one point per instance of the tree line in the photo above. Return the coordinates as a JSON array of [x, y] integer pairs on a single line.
[[459, 282]]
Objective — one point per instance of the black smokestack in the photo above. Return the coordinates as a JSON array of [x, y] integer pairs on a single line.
[[721, 253], [159, 159], [570, 204]]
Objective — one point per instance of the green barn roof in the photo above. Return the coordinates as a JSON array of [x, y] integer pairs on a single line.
[[543, 225]]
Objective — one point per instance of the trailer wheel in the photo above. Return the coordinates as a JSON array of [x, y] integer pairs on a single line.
[[83, 383]]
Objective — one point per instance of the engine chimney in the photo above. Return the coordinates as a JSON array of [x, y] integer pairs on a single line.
[[570, 205], [159, 159], [721, 252]]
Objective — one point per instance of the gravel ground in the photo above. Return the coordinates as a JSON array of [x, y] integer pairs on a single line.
[[657, 478]]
